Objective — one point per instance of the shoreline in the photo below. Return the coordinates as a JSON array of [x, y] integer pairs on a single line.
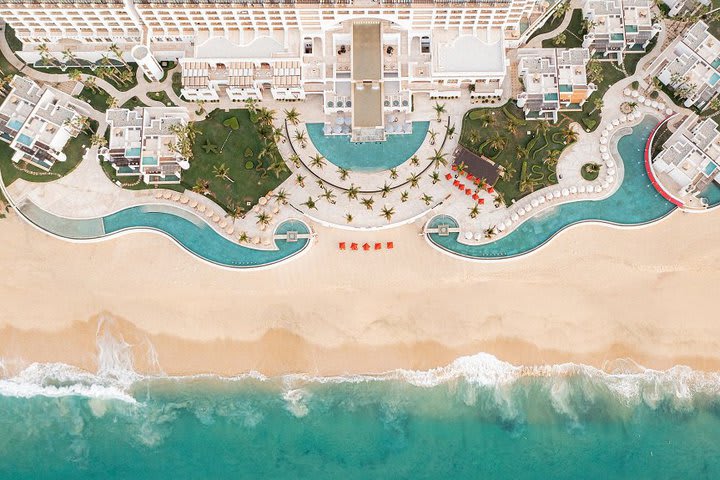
[[592, 296]]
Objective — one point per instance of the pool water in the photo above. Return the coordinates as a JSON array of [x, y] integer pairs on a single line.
[[187, 229], [149, 161], [132, 152], [24, 139], [635, 202], [714, 79], [15, 124], [712, 194], [368, 156]]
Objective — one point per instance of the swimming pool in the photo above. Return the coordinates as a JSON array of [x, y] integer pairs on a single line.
[[149, 161], [186, 228], [635, 202], [714, 79], [15, 124], [24, 139], [133, 152], [368, 156], [712, 194]]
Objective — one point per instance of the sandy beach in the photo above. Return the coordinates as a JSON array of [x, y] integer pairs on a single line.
[[593, 295]]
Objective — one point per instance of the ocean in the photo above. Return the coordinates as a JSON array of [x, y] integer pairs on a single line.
[[478, 418]]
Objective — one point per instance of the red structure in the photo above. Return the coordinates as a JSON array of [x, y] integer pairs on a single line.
[[649, 170]]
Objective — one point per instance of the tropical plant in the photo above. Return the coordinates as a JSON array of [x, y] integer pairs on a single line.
[[474, 211], [69, 56], [552, 158], [251, 104], [414, 161], [310, 204], [317, 161], [223, 172], [352, 192], [243, 237], [201, 186], [301, 138], [404, 196], [281, 196], [393, 174], [569, 135], [438, 159], [413, 180], [263, 218], [292, 116], [450, 131], [328, 195], [522, 152], [559, 39], [387, 212], [427, 198], [435, 177], [439, 110], [433, 136], [300, 180], [343, 172], [594, 71], [112, 102], [348, 218], [497, 142], [295, 159], [490, 232], [367, 202], [597, 104], [385, 190], [278, 167], [98, 140]]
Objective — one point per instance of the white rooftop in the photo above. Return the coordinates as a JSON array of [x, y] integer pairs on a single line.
[[221, 47], [470, 53]]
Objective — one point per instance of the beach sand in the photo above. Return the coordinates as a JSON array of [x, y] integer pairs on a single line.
[[594, 295]]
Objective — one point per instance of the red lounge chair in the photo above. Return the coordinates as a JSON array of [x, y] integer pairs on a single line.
[[461, 186], [481, 201], [475, 196], [490, 189], [470, 178], [448, 176], [456, 183], [390, 245], [477, 181], [468, 191], [378, 246], [366, 246], [342, 245], [353, 246], [454, 167]]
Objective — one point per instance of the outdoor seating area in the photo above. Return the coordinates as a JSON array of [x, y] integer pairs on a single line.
[[366, 247]]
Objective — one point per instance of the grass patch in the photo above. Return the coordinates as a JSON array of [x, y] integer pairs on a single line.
[[97, 99], [573, 33], [89, 69], [247, 185], [74, 150], [526, 172], [167, 66], [133, 103], [177, 83], [6, 67], [589, 117], [549, 26], [161, 96], [590, 171]]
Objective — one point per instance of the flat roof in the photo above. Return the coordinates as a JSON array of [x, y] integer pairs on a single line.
[[366, 53], [478, 166], [367, 106], [471, 54]]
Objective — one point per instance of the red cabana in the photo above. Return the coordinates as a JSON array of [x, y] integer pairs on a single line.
[[456, 183], [470, 177], [454, 167], [481, 201], [477, 181], [378, 246], [475, 196], [366, 246], [448, 176], [390, 245], [468, 191], [490, 189], [353, 246], [342, 245]]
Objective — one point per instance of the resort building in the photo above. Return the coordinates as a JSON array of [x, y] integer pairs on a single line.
[[689, 159], [684, 7], [38, 122], [691, 66], [142, 142], [553, 79], [618, 27]]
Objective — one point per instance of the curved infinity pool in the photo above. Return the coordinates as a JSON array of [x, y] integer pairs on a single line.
[[368, 156], [184, 227], [635, 202]]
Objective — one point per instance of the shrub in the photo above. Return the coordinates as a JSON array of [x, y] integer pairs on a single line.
[[635, 85], [248, 152], [475, 114], [249, 165], [654, 94], [232, 122], [589, 122]]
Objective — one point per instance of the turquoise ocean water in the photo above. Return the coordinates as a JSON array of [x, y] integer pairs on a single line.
[[478, 418]]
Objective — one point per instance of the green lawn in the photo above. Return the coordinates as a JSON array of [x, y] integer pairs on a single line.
[[5, 66], [84, 68], [177, 83], [74, 151], [98, 100], [475, 136], [549, 26], [167, 66], [236, 148], [573, 33], [133, 103], [161, 97]]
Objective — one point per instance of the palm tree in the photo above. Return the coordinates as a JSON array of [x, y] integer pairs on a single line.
[[278, 167], [112, 102], [461, 167], [387, 212], [559, 39], [98, 140], [45, 53], [414, 161], [201, 186], [497, 142], [435, 177], [262, 218], [328, 195], [512, 126], [508, 171], [438, 159], [490, 232], [277, 134], [300, 180], [222, 171], [368, 202], [473, 137], [561, 10], [485, 119], [90, 83], [281, 196], [521, 152], [310, 204], [68, 55], [344, 173], [427, 198], [295, 159], [569, 135], [201, 107], [243, 237], [552, 158], [317, 161], [251, 104], [450, 131], [348, 218], [404, 196], [393, 174], [433, 136], [119, 54], [385, 190], [301, 138], [597, 104], [474, 211], [292, 116], [439, 110], [352, 192], [414, 180]]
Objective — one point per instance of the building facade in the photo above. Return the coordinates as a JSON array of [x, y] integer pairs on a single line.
[[553, 79], [38, 122], [142, 142]]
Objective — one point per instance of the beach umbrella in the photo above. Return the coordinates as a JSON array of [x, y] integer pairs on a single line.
[[256, 209], [167, 195], [461, 186], [348, 121], [603, 140], [603, 149], [500, 227], [521, 212], [641, 99], [193, 203], [573, 189], [262, 201], [556, 194], [353, 246], [223, 224], [514, 217], [627, 92], [366, 246], [648, 103], [454, 167], [598, 189], [534, 202], [605, 133], [201, 208], [528, 208], [581, 189], [341, 245], [176, 197], [256, 240], [634, 94], [610, 179], [565, 192], [669, 111], [468, 191], [216, 218], [390, 245], [456, 183], [616, 122], [624, 118], [378, 246], [276, 210], [184, 200], [230, 230], [490, 189], [605, 156], [481, 201], [610, 163], [337, 129], [475, 196], [158, 194], [448, 176], [605, 184], [654, 104], [541, 199], [478, 236], [470, 178], [549, 196], [611, 171], [209, 213], [468, 235], [339, 120]]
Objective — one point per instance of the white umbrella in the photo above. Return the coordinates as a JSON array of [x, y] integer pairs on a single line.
[[603, 149], [256, 240], [158, 194], [534, 202], [616, 122], [468, 235], [598, 189], [654, 104], [605, 133], [167, 195], [500, 228], [610, 179], [624, 118], [262, 201], [606, 184], [648, 103], [549, 196], [348, 121], [627, 92], [528, 208], [337, 129], [541, 200], [201, 208], [521, 212], [634, 94], [603, 140], [641, 99], [209, 214], [565, 192], [573, 189], [193, 203], [230, 230], [184, 200], [507, 222], [176, 197], [669, 111], [223, 224], [478, 236], [611, 171], [514, 217], [610, 163], [605, 156], [581, 189], [557, 194]]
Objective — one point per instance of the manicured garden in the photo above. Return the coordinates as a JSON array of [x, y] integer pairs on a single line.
[[235, 158], [572, 37], [162, 97], [97, 98], [527, 151], [133, 103]]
